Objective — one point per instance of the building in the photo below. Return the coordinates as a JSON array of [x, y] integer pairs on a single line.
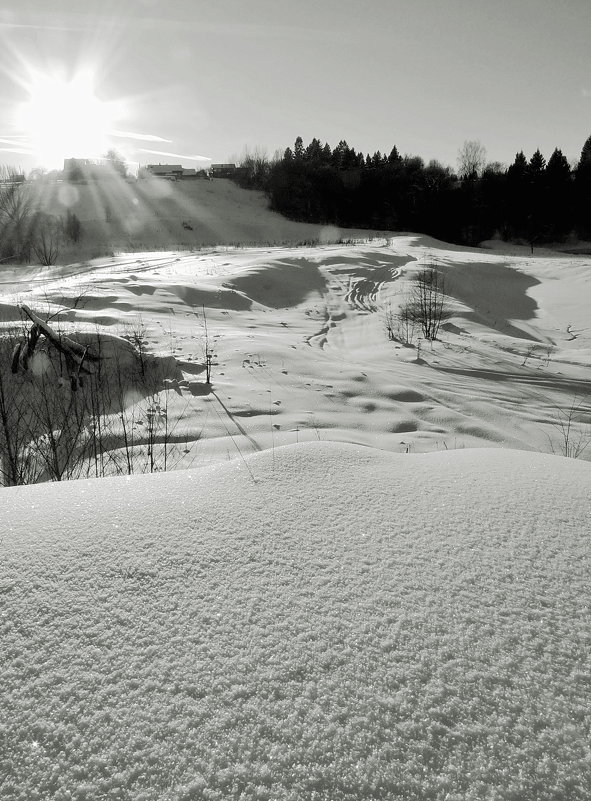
[[170, 171], [223, 170]]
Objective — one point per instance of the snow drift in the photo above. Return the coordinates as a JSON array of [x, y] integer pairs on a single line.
[[321, 621]]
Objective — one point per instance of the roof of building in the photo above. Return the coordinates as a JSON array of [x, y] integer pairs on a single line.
[[164, 169]]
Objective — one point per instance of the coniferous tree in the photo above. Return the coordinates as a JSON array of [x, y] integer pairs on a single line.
[[298, 150], [558, 168], [584, 165], [394, 156], [537, 165], [559, 191], [583, 191], [518, 170], [536, 200], [516, 214], [339, 154], [313, 152], [326, 155], [349, 158]]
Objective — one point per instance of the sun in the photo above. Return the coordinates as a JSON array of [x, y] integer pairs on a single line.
[[64, 119]]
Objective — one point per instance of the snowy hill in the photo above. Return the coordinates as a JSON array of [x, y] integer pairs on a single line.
[[319, 621], [156, 214]]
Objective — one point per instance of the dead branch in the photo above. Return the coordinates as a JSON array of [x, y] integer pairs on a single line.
[[78, 358]]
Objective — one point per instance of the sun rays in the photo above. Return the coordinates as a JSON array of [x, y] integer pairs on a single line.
[[64, 118]]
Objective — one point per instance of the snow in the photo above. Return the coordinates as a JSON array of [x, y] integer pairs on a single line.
[[372, 582], [321, 621], [300, 351]]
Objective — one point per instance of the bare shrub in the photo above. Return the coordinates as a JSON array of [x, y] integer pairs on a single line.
[[46, 240], [573, 430], [400, 323], [426, 306], [80, 405]]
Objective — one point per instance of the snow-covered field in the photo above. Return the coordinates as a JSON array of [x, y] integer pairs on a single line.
[[301, 351], [365, 586]]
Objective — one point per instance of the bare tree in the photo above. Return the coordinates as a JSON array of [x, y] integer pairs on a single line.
[[16, 213], [427, 305], [256, 166], [471, 159], [116, 163], [46, 239]]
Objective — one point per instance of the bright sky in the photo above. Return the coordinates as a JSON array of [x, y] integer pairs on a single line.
[[194, 78]]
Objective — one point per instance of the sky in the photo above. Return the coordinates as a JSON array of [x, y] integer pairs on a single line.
[[175, 80]]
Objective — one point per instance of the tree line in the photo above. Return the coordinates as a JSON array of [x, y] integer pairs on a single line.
[[535, 199]]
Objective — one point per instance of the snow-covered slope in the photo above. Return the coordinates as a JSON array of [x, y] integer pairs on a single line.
[[158, 214], [320, 621], [301, 351]]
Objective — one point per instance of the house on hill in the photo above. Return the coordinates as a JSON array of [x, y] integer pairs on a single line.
[[171, 171], [223, 170]]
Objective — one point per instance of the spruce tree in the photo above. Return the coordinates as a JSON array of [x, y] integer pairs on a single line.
[[518, 170], [558, 168], [559, 192], [583, 192], [326, 154], [585, 160], [298, 149], [313, 152], [537, 165], [339, 154], [377, 159], [394, 157]]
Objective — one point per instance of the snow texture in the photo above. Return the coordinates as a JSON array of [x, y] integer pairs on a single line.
[[319, 621]]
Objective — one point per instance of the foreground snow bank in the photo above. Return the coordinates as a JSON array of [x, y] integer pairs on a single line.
[[321, 622]]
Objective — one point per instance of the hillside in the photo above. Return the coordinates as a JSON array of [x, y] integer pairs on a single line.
[[156, 214]]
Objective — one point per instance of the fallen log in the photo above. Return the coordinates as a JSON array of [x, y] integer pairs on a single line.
[[78, 358]]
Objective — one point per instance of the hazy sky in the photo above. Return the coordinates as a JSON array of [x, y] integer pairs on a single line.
[[214, 76]]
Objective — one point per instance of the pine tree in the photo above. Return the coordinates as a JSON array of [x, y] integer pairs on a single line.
[[377, 159], [394, 157], [558, 168], [537, 165], [559, 196], [349, 158], [518, 170], [288, 155], [583, 192], [585, 160], [516, 212], [313, 152], [298, 150], [339, 154]]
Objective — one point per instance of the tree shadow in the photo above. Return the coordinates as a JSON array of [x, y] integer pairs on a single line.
[[495, 295]]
